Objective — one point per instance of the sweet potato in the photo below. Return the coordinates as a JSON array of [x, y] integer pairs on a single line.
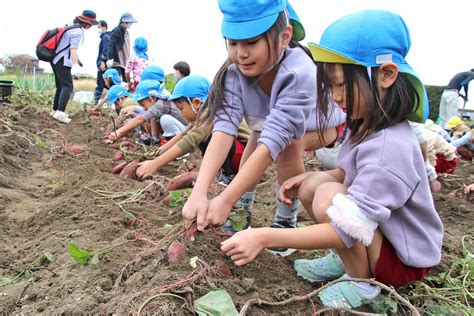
[[118, 168], [166, 200], [113, 145], [222, 268], [175, 250], [118, 156], [74, 150], [130, 171], [183, 181]]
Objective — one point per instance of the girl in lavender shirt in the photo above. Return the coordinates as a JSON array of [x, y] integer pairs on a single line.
[[269, 80], [375, 210]]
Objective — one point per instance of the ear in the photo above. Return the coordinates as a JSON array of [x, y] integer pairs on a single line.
[[196, 103], [286, 36], [387, 74]]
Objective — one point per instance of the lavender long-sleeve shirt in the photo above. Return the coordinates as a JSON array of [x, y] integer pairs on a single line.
[[286, 114], [72, 38], [386, 179]]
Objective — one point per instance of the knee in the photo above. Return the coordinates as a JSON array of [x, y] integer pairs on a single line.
[[323, 199]]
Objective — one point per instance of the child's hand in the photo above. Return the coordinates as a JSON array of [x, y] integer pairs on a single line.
[[289, 188], [218, 212], [129, 110], [115, 135], [468, 189], [244, 246], [435, 186], [195, 208], [146, 169]]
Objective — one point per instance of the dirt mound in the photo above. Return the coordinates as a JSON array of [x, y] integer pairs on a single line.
[[50, 199]]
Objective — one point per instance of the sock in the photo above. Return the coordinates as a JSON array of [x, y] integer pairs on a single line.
[[285, 214], [246, 201]]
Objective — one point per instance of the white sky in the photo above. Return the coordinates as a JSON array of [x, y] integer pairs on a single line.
[[441, 31]]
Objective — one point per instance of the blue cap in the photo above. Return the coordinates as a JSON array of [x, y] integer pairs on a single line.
[[150, 88], [250, 18], [153, 73], [115, 92], [113, 73], [192, 86], [370, 38]]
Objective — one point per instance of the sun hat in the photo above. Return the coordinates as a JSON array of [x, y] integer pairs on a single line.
[[149, 88], [153, 73], [454, 121], [112, 73], [249, 18], [127, 18], [140, 47], [192, 86], [88, 16], [370, 38], [115, 92]]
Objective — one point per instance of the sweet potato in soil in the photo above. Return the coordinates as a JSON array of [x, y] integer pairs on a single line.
[[130, 170], [183, 181]]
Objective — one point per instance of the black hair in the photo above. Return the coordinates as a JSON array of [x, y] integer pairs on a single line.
[[216, 98], [396, 106], [81, 23], [182, 99], [103, 24], [183, 68]]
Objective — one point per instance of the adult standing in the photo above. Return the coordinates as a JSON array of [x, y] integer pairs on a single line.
[[450, 98], [65, 60], [119, 44], [101, 59]]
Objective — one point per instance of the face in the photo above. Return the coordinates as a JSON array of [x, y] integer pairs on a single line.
[[186, 110], [146, 103], [339, 94], [250, 56], [102, 29], [127, 25]]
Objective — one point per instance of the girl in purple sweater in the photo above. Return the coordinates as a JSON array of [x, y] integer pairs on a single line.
[[375, 210]]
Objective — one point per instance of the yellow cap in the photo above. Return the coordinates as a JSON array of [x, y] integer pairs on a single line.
[[454, 121]]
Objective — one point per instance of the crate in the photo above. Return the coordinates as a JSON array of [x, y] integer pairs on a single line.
[[6, 90]]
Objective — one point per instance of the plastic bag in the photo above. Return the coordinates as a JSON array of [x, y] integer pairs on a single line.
[[84, 97], [216, 303]]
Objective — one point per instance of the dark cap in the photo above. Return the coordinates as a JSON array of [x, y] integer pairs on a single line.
[[88, 16]]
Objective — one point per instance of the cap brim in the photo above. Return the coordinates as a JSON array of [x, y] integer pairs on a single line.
[[129, 21], [326, 55], [91, 22], [298, 29], [249, 29]]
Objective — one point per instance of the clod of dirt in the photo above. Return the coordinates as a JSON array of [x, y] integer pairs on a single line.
[[175, 250], [223, 268]]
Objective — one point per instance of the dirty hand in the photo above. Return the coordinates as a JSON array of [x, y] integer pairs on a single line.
[[115, 135], [244, 246], [195, 208], [435, 186], [218, 212], [146, 169], [289, 188], [468, 189]]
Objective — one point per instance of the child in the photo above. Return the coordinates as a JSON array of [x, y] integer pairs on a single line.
[[375, 210], [136, 63], [462, 137], [111, 78], [181, 70], [152, 97], [189, 94], [116, 97], [268, 79]]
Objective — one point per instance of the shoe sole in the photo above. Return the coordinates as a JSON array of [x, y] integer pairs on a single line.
[[313, 280], [286, 253]]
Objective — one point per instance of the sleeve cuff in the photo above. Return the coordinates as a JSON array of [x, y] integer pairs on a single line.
[[347, 217]]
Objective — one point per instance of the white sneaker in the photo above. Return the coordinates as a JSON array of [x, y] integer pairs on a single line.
[[62, 117], [52, 113]]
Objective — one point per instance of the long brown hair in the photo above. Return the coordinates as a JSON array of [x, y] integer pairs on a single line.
[[396, 106], [216, 98]]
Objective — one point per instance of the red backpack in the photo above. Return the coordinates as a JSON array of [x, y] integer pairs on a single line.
[[47, 45]]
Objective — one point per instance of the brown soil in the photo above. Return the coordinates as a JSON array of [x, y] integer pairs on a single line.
[[47, 201]]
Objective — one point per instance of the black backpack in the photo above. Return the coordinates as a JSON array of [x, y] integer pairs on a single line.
[[47, 45]]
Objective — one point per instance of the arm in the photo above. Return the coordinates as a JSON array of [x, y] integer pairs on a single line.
[[99, 104], [244, 246], [149, 167], [137, 121], [170, 144], [74, 56]]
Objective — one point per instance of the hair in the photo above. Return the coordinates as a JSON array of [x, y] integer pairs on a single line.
[[183, 68], [103, 24], [216, 98], [81, 23], [182, 99], [109, 82], [396, 106]]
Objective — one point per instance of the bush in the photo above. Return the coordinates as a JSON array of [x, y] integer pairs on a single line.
[[434, 97]]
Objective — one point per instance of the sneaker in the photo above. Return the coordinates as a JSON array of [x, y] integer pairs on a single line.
[[348, 294], [326, 268], [62, 117], [281, 222], [52, 113]]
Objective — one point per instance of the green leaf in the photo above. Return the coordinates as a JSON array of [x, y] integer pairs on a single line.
[[40, 142], [95, 258], [238, 220], [28, 275], [79, 255], [6, 281], [46, 257], [178, 197], [165, 229], [382, 304]]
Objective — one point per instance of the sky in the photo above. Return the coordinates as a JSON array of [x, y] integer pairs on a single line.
[[189, 30]]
